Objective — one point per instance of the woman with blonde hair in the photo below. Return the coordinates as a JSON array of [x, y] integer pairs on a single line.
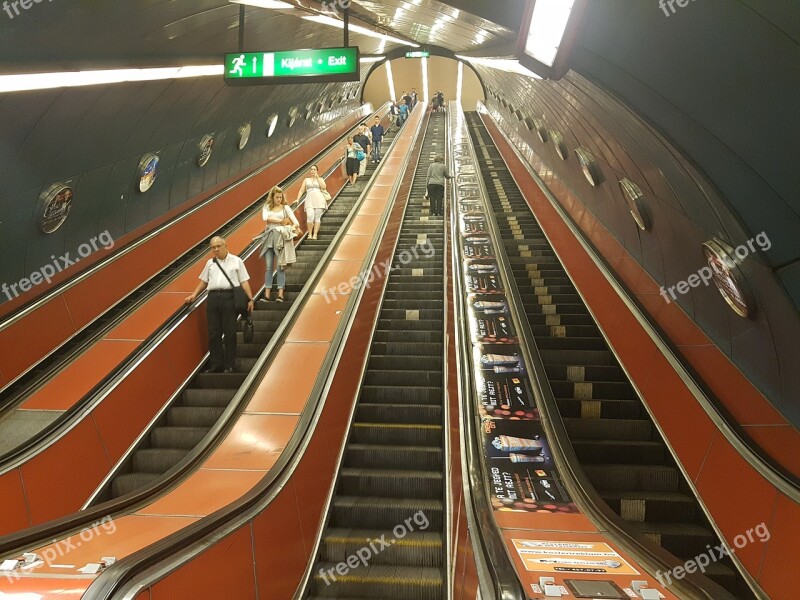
[[314, 188], [276, 213]]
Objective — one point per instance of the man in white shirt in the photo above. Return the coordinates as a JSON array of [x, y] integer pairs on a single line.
[[221, 312]]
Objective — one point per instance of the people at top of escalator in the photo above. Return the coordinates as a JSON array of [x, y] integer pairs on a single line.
[[278, 249], [407, 100], [378, 132], [316, 192], [437, 173], [413, 95], [223, 272], [437, 103]]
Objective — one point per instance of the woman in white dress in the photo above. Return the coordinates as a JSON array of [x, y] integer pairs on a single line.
[[312, 187], [276, 212]]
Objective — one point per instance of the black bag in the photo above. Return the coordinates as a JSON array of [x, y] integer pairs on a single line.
[[249, 330], [399, 121], [240, 299]]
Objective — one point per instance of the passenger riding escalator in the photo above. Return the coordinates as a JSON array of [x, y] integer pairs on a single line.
[[199, 406], [618, 445], [392, 471]]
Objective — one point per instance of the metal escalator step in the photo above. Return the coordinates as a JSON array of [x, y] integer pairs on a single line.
[[412, 310], [601, 409], [583, 372], [398, 413], [658, 478], [397, 349], [177, 437], [386, 377], [615, 429], [383, 513], [640, 505], [157, 460], [408, 336], [416, 548], [252, 350], [567, 343], [392, 483], [219, 380], [184, 416], [621, 452], [391, 582], [579, 357], [401, 294], [414, 324], [375, 394], [599, 390], [413, 362], [208, 397], [684, 540], [396, 434], [130, 482], [393, 457]]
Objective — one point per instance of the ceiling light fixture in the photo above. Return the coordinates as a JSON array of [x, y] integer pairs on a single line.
[[548, 32], [370, 59], [323, 20], [390, 81], [46, 81]]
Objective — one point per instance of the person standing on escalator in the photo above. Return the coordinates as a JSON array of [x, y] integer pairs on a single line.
[[314, 188], [222, 273], [437, 173]]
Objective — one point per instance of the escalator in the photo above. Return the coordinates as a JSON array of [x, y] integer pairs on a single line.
[[199, 406], [618, 445], [390, 487]]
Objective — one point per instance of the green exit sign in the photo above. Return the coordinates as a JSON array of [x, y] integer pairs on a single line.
[[292, 66], [418, 54]]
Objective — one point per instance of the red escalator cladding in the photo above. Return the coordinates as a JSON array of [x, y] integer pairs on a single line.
[[15, 512]]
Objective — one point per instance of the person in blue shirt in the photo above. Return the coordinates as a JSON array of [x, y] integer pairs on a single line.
[[377, 135], [403, 112]]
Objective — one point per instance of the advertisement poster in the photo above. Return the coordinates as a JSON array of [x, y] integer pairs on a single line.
[[499, 359], [521, 469], [571, 557], [478, 246], [482, 276], [506, 397], [490, 320]]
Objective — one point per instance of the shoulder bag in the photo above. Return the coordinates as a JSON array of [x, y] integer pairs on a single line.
[[325, 193], [240, 299]]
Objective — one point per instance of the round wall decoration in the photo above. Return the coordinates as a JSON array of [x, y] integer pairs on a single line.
[[204, 149], [56, 203], [244, 135], [148, 171], [728, 278]]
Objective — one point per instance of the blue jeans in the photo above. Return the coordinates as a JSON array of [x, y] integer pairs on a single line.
[[376, 150], [272, 260]]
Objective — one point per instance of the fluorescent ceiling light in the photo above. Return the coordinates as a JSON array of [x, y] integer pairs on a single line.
[[548, 22], [390, 80], [425, 88], [45, 81], [264, 3], [459, 81], [504, 64], [358, 29], [370, 59]]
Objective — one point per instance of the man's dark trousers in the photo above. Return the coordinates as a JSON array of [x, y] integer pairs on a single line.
[[221, 320]]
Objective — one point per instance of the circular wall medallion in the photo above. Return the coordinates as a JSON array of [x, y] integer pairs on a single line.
[[272, 123], [204, 149], [634, 198], [56, 202], [292, 117], [558, 142], [726, 276], [588, 166], [148, 171], [244, 135]]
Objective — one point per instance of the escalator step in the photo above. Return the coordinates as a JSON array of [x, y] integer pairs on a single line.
[[616, 429], [398, 413], [407, 336], [177, 437], [392, 378], [392, 483], [684, 540], [183, 416], [157, 460], [406, 348], [208, 397], [393, 457], [652, 506], [603, 409], [219, 380], [414, 549], [382, 513], [412, 362], [656, 478], [130, 482], [620, 451], [396, 434], [376, 394], [391, 582]]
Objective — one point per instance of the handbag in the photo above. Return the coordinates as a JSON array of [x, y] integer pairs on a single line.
[[360, 155], [325, 193], [249, 330], [240, 299]]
